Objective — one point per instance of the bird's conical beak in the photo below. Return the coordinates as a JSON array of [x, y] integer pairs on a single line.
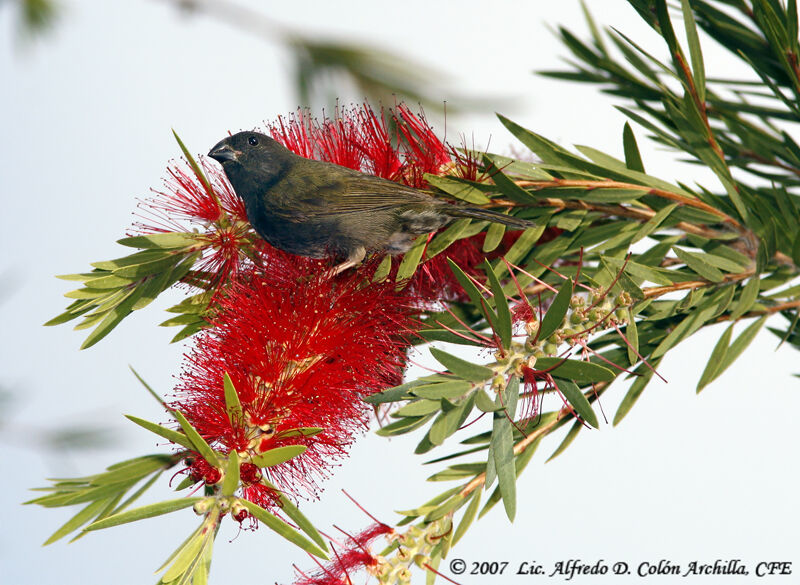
[[223, 152]]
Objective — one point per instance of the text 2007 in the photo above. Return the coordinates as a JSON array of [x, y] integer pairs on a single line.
[[486, 568]]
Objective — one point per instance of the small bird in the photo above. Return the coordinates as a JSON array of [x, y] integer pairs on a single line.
[[319, 209]]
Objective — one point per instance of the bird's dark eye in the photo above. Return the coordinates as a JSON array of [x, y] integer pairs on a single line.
[[253, 141]]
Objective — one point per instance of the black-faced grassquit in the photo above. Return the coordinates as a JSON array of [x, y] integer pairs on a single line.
[[319, 209]]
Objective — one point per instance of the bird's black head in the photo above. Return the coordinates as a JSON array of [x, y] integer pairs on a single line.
[[251, 160]]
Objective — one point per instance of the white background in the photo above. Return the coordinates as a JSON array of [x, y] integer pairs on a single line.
[[86, 117]]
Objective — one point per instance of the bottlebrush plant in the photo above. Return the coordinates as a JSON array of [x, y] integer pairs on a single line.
[[287, 361]]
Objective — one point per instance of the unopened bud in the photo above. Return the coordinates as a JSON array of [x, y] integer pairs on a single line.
[[201, 507]]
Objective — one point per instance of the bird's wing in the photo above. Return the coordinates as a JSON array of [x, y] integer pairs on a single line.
[[341, 190]]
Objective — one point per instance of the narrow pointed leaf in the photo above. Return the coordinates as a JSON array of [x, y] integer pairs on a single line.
[[294, 514], [278, 455], [711, 370], [78, 520], [469, 516], [283, 529], [411, 259], [576, 370], [554, 317], [232, 404], [578, 401], [168, 434], [633, 159], [462, 368], [144, 512], [501, 307], [199, 444], [231, 482]]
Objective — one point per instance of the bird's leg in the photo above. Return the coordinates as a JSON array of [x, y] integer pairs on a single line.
[[355, 257]]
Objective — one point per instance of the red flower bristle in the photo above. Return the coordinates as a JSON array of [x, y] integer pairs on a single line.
[[302, 350]]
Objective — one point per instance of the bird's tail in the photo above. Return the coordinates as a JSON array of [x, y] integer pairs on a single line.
[[488, 215]]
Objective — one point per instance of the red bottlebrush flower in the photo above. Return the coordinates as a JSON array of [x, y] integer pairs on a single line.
[[217, 216], [200, 470], [381, 157], [302, 350], [359, 138], [185, 203], [295, 133], [332, 140], [425, 153], [355, 556]]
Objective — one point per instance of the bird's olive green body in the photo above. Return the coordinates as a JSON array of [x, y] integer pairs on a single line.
[[319, 209]]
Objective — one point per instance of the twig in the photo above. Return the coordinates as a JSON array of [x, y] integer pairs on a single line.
[[664, 194]]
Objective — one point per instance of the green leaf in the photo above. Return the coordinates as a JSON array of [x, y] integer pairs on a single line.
[[486, 404], [168, 240], [715, 360], [578, 401], [196, 168], [632, 334], [633, 159], [147, 387], [446, 423], [741, 343], [232, 404], [691, 323], [448, 506], [699, 264], [502, 449], [168, 434], [507, 187], [448, 390], [278, 455], [469, 516], [654, 222], [299, 432], [462, 368], [418, 408], [554, 317], [78, 520], [458, 189], [117, 314], [184, 558], [576, 370], [501, 307], [654, 275], [472, 291], [698, 69], [411, 259], [442, 240], [383, 270], [199, 444], [747, 298], [282, 529], [391, 394], [494, 235], [521, 247], [294, 514], [230, 483], [402, 426], [134, 470], [143, 512]]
